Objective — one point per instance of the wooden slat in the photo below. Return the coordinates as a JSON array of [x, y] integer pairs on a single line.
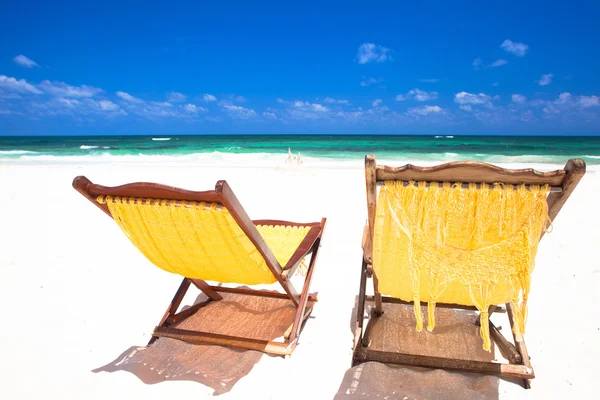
[[371, 182], [145, 190], [470, 171], [174, 305], [367, 246], [373, 317], [256, 292], [304, 248], [575, 169], [288, 331], [276, 222], [195, 337], [206, 289], [180, 316], [229, 200], [306, 288], [507, 349], [520, 344], [507, 370], [478, 185], [360, 306]]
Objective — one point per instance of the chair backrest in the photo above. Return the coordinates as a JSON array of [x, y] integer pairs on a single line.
[[201, 235], [480, 248], [562, 182]]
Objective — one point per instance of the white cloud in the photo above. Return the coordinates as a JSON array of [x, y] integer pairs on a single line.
[[418, 94], [313, 107], [164, 109], [466, 108], [25, 61], [545, 79], [13, 85], [376, 102], [209, 97], [498, 63], [61, 89], [429, 80], [108, 105], [239, 112], [464, 98], [192, 108], [367, 81], [426, 110], [518, 49], [477, 63], [368, 52], [176, 97], [76, 108], [518, 98], [269, 115], [127, 97], [299, 109], [330, 100], [563, 98], [589, 101]]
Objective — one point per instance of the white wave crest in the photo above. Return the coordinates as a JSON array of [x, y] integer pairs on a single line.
[[85, 147], [161, 138], [8, 152]]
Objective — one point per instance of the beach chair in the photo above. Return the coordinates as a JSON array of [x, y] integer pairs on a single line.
[[396, 235], [208, 236]]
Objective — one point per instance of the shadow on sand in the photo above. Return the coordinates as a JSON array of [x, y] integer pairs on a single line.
[[217, 367]]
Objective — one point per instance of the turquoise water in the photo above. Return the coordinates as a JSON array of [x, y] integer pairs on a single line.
[[533, 149]]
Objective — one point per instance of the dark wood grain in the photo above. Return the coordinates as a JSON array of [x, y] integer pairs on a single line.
[[574, 171], [508, 370], [470, 171], [238, 213]]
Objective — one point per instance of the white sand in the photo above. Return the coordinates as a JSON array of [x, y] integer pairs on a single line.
[[75, 293]]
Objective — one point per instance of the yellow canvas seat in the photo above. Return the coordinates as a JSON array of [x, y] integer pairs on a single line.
[[201, 240], [471, 246]]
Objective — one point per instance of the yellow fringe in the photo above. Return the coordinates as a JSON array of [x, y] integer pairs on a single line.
[[471, 246], [200, 240]]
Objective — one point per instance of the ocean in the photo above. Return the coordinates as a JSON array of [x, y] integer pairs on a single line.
[[274, 148]]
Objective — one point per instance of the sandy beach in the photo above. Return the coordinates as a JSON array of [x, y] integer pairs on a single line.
[[76, 294]]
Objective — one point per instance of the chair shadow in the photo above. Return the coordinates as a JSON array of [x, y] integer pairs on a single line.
[[396, 332], [217, 367]]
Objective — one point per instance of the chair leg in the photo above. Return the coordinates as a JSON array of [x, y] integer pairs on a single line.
[[300, 311], [520, 344], [378, 300], [360, 312], [175, 303]]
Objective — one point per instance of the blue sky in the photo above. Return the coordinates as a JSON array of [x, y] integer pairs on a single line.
[[132, 67]]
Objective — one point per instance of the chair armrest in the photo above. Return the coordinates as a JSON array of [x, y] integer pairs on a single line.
[[305, 247], [367, 246]]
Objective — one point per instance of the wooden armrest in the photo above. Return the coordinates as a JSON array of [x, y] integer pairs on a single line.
[[367, 246], [305, 247], [276, 222]]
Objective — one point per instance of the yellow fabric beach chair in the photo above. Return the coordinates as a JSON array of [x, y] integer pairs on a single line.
[[208, 236], [461, 235]]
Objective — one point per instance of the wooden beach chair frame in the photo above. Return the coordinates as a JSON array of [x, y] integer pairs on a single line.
[[562, 183], [223, 195]]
